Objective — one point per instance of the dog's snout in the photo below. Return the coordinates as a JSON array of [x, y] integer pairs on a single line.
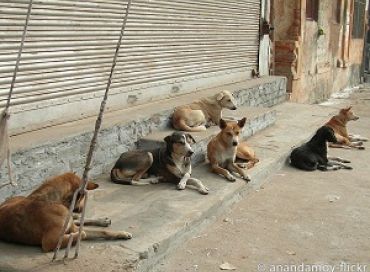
[[190, 152], [234, 108], [235, 143]]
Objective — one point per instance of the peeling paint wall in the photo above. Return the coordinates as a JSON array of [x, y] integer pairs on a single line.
[[316, 65]]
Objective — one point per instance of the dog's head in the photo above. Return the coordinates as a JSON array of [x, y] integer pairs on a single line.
[[326, 134], [230, 131], [226, 100], [180, 143], [75, 182], [347, 114]]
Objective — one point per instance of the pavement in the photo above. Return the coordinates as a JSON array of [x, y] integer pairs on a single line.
[[296, 220], [185, 231]]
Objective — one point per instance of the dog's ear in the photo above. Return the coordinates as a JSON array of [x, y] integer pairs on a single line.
[[223, 123], [167, 139], [345, 110], [190, 138], [241, 122], [91, 186], [220, 96]]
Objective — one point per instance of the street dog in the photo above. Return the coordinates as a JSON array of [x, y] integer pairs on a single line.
[[245, 153], [202, 113], [171, 163], [314, 154], [222, 150], [39, 218], [339, 124]]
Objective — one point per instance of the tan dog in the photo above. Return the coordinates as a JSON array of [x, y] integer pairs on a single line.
[[339, 124], [202, 113], [246, 153], [222, 149], [38, 218]]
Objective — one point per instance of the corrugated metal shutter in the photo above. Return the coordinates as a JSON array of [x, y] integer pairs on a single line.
[[70, 44]]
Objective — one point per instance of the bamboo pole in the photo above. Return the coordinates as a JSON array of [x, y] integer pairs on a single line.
[[82, 190]]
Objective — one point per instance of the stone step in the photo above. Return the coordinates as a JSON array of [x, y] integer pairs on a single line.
[[257, 119], [40, 154], [160, 217]]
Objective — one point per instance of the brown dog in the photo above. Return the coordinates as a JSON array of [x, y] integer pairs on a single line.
[[39, 218], [202, 113], [245, 153], [339, 124], [222, 149]]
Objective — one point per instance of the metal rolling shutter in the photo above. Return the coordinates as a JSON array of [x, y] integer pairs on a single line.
[[70, 44]]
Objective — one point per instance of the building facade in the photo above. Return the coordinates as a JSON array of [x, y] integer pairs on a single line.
[[318, 45]]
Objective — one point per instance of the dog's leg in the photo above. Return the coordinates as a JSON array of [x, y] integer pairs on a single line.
[[199, 185], [357, 145], [182, 184], [97, 222], [340, 165], [92, 234], [246, 165], [50, 239], [357, 138], [338, 159], [328, 167], [223, 172], [339, 146], [235, 168]]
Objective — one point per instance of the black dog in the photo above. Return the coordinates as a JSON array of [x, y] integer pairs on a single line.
[[171, 163], [314, 154]]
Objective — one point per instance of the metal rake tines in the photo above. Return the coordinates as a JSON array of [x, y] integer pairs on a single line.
[[71, 236]]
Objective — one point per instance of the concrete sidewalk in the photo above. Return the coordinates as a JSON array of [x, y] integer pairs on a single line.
[[162, 218], [311, 218]]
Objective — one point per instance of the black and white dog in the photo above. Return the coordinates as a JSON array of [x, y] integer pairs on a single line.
[[171, 163], [314, 154]]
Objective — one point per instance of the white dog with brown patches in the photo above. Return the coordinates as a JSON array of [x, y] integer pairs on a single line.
[[202, 113]]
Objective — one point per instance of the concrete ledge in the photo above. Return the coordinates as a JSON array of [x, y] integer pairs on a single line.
[[54, 150], [257, 119], [160, 217]]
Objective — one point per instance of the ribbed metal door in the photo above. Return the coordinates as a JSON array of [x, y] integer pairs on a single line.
[[70, 45]]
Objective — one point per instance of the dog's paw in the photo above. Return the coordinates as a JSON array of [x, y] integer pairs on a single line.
[[103, 222], [202, 128], [123, 235], [230, 178], [83, 235], [344, 161], [154, 180], [204, 190], [242, 165], [246, 178], [181, 186]]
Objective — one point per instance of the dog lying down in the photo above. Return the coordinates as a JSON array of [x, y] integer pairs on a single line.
[[339, 124], [202, 113], [314, 154], [38, 218], [171, 163]]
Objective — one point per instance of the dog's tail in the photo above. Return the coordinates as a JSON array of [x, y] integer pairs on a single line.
[[181, 125], [115, 177]]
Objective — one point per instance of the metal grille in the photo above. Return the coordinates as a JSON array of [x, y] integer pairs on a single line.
[[70, 44]]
